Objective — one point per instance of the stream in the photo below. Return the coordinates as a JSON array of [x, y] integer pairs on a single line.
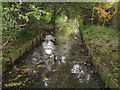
[[51, 65]]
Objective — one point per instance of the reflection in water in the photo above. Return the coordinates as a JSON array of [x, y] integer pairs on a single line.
[[48, 46], [49, 37], [36, 54], [34, 60], [46, 84], [50, 56], [45, 81], [63, 59], [82, 74], [75, 69]]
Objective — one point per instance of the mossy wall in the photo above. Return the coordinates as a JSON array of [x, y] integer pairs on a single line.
[[21, 50]]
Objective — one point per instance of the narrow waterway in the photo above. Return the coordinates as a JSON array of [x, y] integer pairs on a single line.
[[51, 65]]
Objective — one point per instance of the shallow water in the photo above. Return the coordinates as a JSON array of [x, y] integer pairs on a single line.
[[48, 65]]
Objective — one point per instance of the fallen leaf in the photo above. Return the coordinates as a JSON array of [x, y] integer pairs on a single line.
[[41, 66], [45, 79], [34, 71], [13, 84]]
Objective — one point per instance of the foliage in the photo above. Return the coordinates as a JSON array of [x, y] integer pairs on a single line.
[[22, 21], [106, 11], [103, 45], [67, 28]]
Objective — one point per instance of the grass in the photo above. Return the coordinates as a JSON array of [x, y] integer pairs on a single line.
[[103, 41], [66, 30], [60, 19]]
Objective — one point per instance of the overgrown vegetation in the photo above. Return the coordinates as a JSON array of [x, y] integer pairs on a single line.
[[103, 45], [22, 21]]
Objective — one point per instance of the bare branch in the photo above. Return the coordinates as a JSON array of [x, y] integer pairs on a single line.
[[5, 43]]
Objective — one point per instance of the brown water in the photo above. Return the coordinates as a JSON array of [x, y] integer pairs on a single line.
[[48, 65]]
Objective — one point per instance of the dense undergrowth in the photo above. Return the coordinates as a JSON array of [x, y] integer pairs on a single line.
[[16, 34], [102, 43]]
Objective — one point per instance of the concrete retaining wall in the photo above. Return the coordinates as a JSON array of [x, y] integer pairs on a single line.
[[26, 47]]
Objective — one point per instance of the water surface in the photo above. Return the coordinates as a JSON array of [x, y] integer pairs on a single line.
[[50, 65]]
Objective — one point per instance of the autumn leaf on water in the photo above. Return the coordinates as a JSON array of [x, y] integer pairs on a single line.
[[34, 71], [25, 80], [45, 79], [16, 83], [13, 84], [25, 70], [23, 84], [41, 66], [37, 63], [16, 78]]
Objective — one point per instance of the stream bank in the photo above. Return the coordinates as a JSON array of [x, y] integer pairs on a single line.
[[26, 46], [102, 44]]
